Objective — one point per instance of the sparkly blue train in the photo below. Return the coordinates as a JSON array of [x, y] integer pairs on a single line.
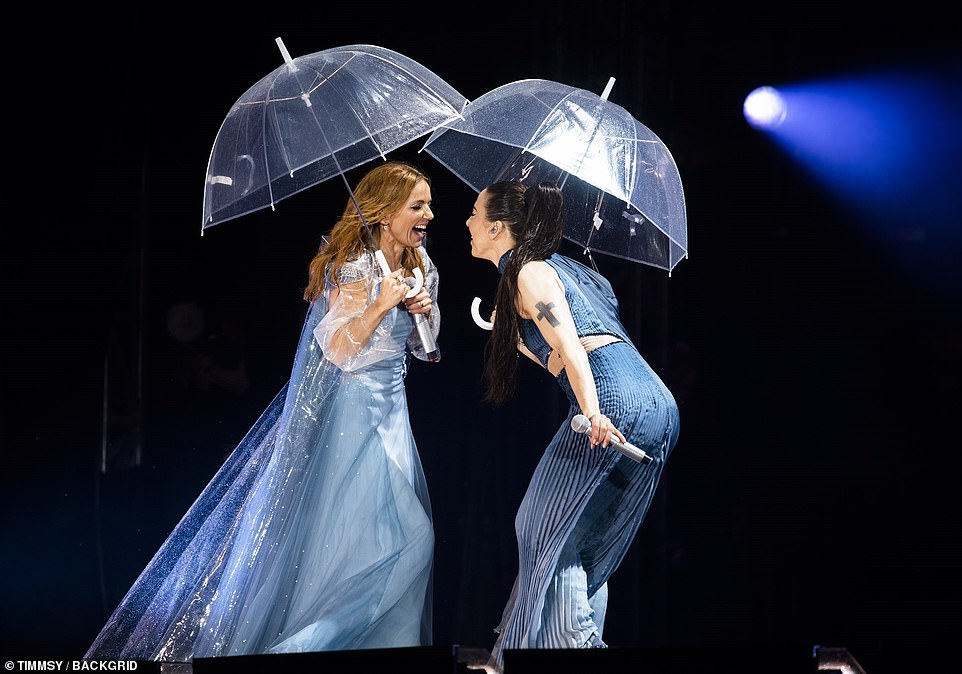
[[315, 534]]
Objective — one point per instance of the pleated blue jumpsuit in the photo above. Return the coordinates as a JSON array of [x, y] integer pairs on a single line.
[[583, 505]]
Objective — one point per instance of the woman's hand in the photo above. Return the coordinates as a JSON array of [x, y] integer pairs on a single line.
[[393, 290], [602, 430], [420, 303]]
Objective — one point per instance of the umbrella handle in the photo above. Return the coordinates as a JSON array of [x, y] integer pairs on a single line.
[[418, 282], [480, 322], [382, 261], [418, 274]]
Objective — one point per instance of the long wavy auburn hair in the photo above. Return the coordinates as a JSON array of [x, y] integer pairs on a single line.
[[383, 191]]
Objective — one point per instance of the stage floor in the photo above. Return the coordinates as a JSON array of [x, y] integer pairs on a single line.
[[463, 660]]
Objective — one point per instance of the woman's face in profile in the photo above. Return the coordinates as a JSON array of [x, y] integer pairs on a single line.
[[478, 227]]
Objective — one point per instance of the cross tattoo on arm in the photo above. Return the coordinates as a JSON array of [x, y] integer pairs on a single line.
[[544, 311]]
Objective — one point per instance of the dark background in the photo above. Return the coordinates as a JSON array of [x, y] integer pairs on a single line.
[[812, 497]]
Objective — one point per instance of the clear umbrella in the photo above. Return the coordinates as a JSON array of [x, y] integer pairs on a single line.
[[623, 193], [316, 117]]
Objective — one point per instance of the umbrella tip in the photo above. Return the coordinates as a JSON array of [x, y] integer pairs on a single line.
[[286, 54], [604, 95]]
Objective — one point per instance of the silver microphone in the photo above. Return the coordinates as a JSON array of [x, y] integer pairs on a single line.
[[581, 424], [424, 330]]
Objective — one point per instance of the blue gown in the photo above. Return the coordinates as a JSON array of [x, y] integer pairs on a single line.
[[583, 506], [316, 533]]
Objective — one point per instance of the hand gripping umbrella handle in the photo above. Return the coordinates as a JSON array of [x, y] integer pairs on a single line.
[[420, 322], [476, 315], [418, 282], [418, 274]]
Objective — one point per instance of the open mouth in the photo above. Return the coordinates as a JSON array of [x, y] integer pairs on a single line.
[[421, 229]]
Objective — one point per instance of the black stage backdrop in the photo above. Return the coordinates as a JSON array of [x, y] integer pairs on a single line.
[[812, 497]]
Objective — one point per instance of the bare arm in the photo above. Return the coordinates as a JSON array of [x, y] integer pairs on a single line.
[[543, 300]]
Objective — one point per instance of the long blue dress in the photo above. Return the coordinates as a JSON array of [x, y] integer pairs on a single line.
[[583, 506], [316, 533]]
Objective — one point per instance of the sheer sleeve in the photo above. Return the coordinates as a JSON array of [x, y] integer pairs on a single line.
[[431, 282], [360, 281]]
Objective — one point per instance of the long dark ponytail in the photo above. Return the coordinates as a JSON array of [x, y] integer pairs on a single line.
[[535, 218]]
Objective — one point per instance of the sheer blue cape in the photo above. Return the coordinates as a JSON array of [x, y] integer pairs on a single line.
[[314, 534]]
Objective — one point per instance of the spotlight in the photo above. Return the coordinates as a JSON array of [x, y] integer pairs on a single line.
[[764, 108]]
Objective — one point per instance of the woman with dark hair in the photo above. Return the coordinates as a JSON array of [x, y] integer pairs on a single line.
[[585, 501], [316, 534]]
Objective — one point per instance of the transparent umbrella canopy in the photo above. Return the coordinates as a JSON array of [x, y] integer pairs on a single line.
[[316, 117], [623, 193]]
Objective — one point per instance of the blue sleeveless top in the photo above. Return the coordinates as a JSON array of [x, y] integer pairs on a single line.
[[590, 298]]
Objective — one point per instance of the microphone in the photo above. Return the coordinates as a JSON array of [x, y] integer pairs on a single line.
[[581, 424], [424, 330]]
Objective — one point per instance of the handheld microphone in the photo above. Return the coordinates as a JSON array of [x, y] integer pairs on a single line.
[[581, 424], [424, 330]]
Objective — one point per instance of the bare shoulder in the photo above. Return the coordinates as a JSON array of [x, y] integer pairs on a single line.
[[535, 271], [538, 276]]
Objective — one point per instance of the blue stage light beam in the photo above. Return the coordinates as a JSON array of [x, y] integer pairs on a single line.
[[886, 145]]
